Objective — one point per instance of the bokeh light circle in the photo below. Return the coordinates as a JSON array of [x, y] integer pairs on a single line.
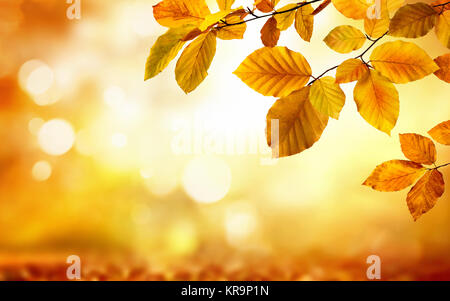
[[56, 137], [41, 171], [207, 179]]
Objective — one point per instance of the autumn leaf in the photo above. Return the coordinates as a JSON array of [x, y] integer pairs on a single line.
[[441, 133], [175, 13], [321, 7], [355, 9], [394, 175], [440, 8], [266, 6], [424, 195], [165, 50], [350, 70], [225, 4], [377, 101], [377, 27], [418, 148], [304, 22], [442, 28], [443, 62], [234, 31], [345, 39], [327, 97], [299, 124], [285, 20], [275, 71], [392, 5], [270, 33], [413, 21], [195, 60], [402, 62]]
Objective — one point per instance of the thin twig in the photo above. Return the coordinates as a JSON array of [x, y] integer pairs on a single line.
[[256, 17], [437, 167]]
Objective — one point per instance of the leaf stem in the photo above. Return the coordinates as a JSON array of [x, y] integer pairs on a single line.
[[256, 17]]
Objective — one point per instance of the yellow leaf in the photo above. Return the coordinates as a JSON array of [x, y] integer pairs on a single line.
[[225, 4], [175, 13], [299, 125], [355, 9], [392, 5], [394, 175], [424, 195], [377, 101], [402, 62], [304, 22], [327, 97], [442, 28], [213, 19], [234, 31], [413, 21], [375, 28], [443, 62], [285, 20], [350, 70], [165, 50], [270, 33], [195, 60], [266, 6], [345, 39], [441, 133], [418, 148], [274, 71]]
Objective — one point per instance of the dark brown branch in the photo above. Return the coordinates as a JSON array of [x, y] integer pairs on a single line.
[[442, 4], [256, 17], [437, 167]]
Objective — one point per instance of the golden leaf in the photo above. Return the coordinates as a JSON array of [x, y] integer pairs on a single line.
[[394, 175], [375, 28], [225, 4], [175, 13], [304, 22], [441, 133], [443, 62], [195, 60], [442, 28], [266, 6], [285, 20], [418, 148], [424, 195], [270, 33], [327, 97], [413, 21], [350, 70], [274, 71], [299, 124], [345, 39], [233, 31], [377, 101], [402, 62], [355, 9], [165, 50], [392, 5]]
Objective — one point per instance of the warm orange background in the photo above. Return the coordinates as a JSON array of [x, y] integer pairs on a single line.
[[123, 187]]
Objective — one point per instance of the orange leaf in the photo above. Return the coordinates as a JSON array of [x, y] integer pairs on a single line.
[[443, 62], [274, 71], [350, 70], [266, 6], [270, 33], [413, 21], [175, 13], [234, 31], [355, 9], [442, 28], [441, 133], [321, 7], [345, 39], [299, 124], [402, 62], [304, 22], [394, 175], [418, 148], [424, 195], [377, 101], [439, 9]]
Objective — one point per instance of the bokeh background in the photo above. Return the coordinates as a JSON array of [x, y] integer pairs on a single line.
[[144, 182]]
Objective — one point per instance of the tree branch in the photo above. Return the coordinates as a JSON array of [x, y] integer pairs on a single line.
[[256, 17]]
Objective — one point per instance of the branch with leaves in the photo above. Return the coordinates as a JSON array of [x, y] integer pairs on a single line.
[[306, 102], [396, 175]]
